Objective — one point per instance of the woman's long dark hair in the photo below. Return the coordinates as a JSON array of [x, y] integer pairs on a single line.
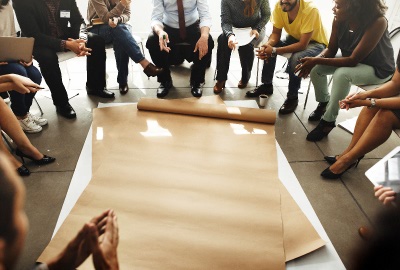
[[250, 6], [366, 11]]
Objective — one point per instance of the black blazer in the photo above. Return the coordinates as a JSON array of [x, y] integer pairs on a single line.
[[32, 18]]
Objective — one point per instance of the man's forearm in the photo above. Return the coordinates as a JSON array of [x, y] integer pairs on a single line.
[[205, 31], [158, 28], [273, 39]]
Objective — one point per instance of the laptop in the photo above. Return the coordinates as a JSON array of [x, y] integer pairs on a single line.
[[386, 172], [14, 49]]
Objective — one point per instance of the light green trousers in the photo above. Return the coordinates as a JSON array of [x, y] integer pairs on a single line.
[[342, 79]]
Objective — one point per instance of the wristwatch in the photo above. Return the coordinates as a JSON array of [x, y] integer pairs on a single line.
[[273, 54], [373, 103]]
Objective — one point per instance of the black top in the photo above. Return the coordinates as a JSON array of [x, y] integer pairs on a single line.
[[381, 58], [32, 17]]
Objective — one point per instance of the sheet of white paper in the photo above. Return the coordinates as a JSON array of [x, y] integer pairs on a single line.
[[243, 36], [349, 124]]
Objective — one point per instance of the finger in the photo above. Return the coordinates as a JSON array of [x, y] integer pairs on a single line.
[[378, 187], [388, 200], [116, 230], [196, 47], [97, 219]]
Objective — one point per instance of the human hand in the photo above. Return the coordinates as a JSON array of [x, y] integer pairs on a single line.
[[262, 52], [385, 194], [104, 252], [202, 46], [163, 41], [79, 248], [232, 42], [26, 64], [78, 46], [353, 100], [112, 23], [255, 33], [22, 84], [305, 66]]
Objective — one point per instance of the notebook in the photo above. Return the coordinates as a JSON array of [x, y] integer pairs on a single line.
[[15, 49], [386, 172]]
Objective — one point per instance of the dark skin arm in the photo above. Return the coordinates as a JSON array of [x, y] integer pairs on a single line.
[[368, 42]]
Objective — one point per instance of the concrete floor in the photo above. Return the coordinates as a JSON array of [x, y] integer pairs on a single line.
[[342, 205]]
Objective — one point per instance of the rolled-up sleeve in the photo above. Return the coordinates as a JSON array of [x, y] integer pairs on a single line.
[[204, 13], [157, 13]]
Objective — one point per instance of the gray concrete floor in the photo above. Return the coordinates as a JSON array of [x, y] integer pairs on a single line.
[[341, 205]]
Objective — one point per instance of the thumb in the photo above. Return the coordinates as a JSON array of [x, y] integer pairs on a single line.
[[196, 48]]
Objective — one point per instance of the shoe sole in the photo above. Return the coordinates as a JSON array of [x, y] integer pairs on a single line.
[[32, 131]]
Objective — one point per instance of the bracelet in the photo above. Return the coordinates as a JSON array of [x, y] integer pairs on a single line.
[[373, 103]]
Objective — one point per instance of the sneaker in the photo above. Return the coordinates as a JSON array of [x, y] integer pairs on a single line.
[[29, 126], [267, 89], [37, 119]]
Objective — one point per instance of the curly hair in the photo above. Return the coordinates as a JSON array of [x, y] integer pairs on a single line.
[[250, 6], [366, 11]]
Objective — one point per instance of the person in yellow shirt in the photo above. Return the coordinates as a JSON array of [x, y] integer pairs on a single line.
[[306, 37]]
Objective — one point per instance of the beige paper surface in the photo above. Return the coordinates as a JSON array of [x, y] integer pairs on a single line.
[[183, 198]]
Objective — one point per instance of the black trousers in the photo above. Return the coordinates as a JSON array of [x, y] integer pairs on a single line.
[[49, 66], [179, 53], [246, 56]]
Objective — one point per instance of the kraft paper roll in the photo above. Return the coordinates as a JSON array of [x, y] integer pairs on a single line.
[[207, 110]]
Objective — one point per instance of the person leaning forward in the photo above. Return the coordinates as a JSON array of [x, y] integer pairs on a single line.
[[180, 31], [306, 37], [58, 26]]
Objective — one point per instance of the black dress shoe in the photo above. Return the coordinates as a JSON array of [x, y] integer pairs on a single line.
[[104, 93], [66, 111], [163, 89], [23, 171], [123, 89], [289, 106], [321, 131], [44, 160], [266, 89], [197, 90], [319, 112]]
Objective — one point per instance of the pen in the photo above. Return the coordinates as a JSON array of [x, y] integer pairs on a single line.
[[165, 40]]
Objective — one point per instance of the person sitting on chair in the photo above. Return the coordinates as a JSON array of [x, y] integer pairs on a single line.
[[380, 115], [306, 37], [367, 58], [240, 14], [108, 18], [9, 124], [14, 228], [174, 22], [58, 26], [20, 104]]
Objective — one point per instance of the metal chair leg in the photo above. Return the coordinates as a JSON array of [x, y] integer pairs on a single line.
[[308, 91], [37, 103], [258, 66]]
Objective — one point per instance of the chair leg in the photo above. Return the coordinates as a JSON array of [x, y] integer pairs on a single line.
[[37, 103], [308, 91], [258, 67]]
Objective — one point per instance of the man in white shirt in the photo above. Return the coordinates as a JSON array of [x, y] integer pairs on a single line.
[[180, 31]]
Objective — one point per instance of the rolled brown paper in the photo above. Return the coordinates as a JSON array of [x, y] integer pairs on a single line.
[[207, 110]]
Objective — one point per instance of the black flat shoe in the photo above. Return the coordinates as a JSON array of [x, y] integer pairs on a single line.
[[23, 171], [197, 90], [332, 159], [164, 88], [103, 93], [319, 112], [266, 89], [123, 89], [289, 106], [44, 160]]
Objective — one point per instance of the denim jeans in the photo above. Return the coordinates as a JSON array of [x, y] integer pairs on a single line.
[[124, 45], [313, 49], [342, 79], [21, 103]]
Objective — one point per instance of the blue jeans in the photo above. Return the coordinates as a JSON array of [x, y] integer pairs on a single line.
[[124, 45], [21, 103], [313, 49]]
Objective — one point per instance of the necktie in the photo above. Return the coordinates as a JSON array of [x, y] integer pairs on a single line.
[[181, 15]]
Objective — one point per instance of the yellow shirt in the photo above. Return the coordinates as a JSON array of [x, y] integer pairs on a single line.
[[307, 20]]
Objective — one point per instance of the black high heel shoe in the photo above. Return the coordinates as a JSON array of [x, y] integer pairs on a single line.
[[23, 171], [327, 173], [332, 159], [151, 70], [44, 160]]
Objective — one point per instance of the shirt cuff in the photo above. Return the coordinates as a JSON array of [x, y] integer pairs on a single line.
[[41, 266], [63, 45]]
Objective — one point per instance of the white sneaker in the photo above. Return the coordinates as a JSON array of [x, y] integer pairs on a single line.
[[29, 126], [37, 119]]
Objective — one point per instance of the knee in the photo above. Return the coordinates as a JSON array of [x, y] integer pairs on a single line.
[[46, 57], [222, 40], [19, 69], [96, 42], [341, 74], [152, 42], [210, 43], [294, 60], [315, 72], [35, 75]]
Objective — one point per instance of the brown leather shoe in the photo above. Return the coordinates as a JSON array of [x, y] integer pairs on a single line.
[[151, 70], [219, 86], [242, 85], [123, 89]]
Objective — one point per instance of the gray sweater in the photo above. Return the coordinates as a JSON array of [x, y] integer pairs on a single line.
[[232, 15]]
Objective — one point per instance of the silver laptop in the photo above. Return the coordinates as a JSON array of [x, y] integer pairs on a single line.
[[15, 49], [386, 172]]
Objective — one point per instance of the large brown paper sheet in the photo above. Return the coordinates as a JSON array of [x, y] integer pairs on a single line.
[[183, 197]]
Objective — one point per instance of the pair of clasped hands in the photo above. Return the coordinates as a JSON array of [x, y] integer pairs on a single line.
[[354, 100], [78, 46]]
